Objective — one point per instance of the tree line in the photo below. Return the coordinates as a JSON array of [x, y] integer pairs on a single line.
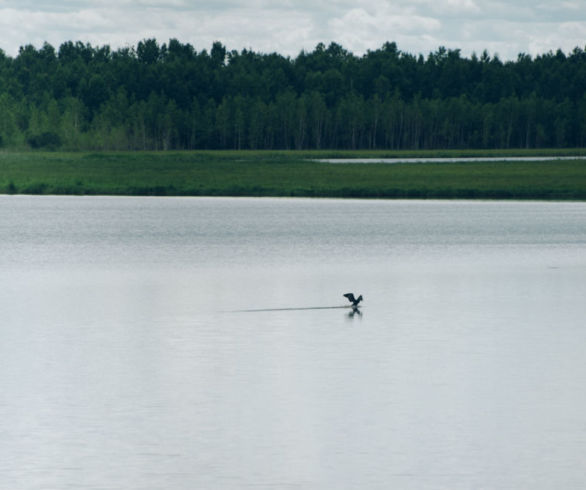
[[170, 96]]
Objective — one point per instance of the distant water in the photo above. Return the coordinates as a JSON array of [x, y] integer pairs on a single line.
[[127, 361], [448, 159]]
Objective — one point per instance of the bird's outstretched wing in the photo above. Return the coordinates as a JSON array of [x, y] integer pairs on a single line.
[[350, 297]]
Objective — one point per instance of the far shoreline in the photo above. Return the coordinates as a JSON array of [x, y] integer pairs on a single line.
[[558, 175]]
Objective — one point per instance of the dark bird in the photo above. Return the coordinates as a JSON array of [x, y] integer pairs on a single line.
[[352, 299]]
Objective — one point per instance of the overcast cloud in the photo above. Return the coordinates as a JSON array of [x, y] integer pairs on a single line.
[[288, 26]]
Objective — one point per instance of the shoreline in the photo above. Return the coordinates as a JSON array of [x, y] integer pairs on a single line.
[[298, 174]]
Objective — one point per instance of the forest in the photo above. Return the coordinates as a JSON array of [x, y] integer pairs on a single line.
[[171, 96]]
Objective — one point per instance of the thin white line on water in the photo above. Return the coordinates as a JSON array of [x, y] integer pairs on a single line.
[[341, 161]]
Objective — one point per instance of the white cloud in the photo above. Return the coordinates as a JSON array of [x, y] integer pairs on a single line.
[[359, 30], [287, 26], [442, 8], [566, 36]]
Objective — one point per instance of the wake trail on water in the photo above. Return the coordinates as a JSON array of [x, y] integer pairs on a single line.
[[259, 310]]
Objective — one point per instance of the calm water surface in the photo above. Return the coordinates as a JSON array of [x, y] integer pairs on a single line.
[[447, 159], [127, 363]]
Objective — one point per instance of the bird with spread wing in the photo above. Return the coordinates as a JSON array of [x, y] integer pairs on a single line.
[[352, 299]]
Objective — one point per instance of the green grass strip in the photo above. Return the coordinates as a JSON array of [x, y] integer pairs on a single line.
[[266, 173]]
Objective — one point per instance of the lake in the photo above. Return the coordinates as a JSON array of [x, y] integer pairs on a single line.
[[132, 355], [448, 159]]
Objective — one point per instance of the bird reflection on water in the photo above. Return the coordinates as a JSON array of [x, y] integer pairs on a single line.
[[355, 311]]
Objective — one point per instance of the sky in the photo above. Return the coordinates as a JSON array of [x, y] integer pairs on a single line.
[[504, 28]]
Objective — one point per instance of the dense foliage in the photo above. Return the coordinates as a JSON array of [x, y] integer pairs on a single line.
[[171, 96]]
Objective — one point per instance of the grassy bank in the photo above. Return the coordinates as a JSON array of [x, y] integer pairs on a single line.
[[233, 173]]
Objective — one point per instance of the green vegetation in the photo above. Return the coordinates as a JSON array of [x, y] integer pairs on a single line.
[[85, 120], [262, 173], [173, 97]]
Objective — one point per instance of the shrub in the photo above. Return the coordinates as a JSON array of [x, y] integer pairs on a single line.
[[46, 140]]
